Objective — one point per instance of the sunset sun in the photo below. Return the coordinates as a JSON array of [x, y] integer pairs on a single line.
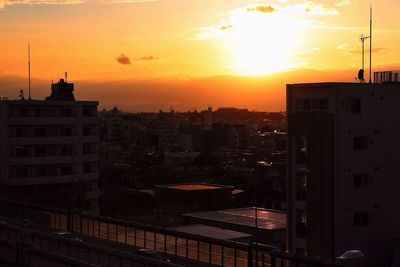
[[261, 40]]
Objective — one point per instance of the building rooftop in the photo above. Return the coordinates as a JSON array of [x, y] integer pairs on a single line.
[[211, 232], [266, 219], [194, 186]]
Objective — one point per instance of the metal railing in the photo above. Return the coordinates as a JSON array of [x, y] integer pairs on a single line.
[[192, 247], [387, 76]]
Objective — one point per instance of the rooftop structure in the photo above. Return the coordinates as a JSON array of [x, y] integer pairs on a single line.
[[212, 232], [266, 219], [193, 186], [269, 227]]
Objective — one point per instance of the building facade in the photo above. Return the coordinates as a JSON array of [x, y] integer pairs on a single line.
[[343, 169], [49, 150]]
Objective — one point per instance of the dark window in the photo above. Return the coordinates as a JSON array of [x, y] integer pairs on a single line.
[[88, 167], [86, 130], [301, 149], [37, 112], [41, 171], [301, 185], [66, 170], [301, 223], [323, 104], [20, 132], [360, 180], [66, 150], [67, 112], [40, 132], [360, 218], [23, 112], [360, 143], [21, 151], [40, 152], [353, 105], [307, 104], [67, 131]]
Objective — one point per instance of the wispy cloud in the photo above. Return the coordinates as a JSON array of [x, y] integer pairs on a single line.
[[148, 58], [124, 60], [343, 3], [4, 3], [262, 9], [357, 50]]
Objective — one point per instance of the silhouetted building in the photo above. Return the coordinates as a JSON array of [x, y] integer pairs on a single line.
[[49, 150], [343, 169]]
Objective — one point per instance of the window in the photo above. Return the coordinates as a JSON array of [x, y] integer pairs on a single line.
[[21, 151], [314, 104], [301, 223], [301, 149], [360, 218], [41, 171], [360, 180], [40, 152], [66, 170], [360, 143], [87, 130], [40, 132], [353, 105], [67, 112], [301, 186], [67, 131], [89, 167], [89, 148], [37, 112]]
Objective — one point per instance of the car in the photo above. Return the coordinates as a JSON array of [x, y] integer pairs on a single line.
[[151, 253], [68, 235]]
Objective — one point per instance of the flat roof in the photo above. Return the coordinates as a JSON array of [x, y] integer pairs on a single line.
[[334, 85], [210, 232], [194, 186], [266, 219]]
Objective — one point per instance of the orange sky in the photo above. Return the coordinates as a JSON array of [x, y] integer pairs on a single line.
[[177, 44]]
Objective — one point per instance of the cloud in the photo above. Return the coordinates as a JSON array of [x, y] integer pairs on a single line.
[[226, 27], [4, 3], [343, 3], [126, 1], [148, 58], [124, 60], [355, 50], [313, 9], [262, 9]]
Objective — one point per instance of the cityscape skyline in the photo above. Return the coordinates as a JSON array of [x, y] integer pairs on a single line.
[[141, 53]]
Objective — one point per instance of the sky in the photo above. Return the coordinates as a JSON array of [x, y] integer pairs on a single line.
[[150, 55]]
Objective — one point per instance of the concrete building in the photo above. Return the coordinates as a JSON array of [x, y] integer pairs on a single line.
[[343, 169], [49, 150]]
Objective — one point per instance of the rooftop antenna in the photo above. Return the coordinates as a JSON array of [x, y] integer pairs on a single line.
[[66, 76], [370, 44], [361, 71], [29, 71]]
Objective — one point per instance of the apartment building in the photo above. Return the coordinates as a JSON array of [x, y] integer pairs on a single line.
[[49, 150], [344, 169]]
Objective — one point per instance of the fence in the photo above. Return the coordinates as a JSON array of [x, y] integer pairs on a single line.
[[192, 247]]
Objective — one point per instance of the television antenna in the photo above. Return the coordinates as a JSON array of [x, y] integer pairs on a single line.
[[363, 38], [29, 71]]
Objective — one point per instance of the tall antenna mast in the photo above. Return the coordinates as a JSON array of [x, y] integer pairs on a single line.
[[29, 70], [370, 44]]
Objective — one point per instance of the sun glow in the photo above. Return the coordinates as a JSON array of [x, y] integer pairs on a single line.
[[261, 41]]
